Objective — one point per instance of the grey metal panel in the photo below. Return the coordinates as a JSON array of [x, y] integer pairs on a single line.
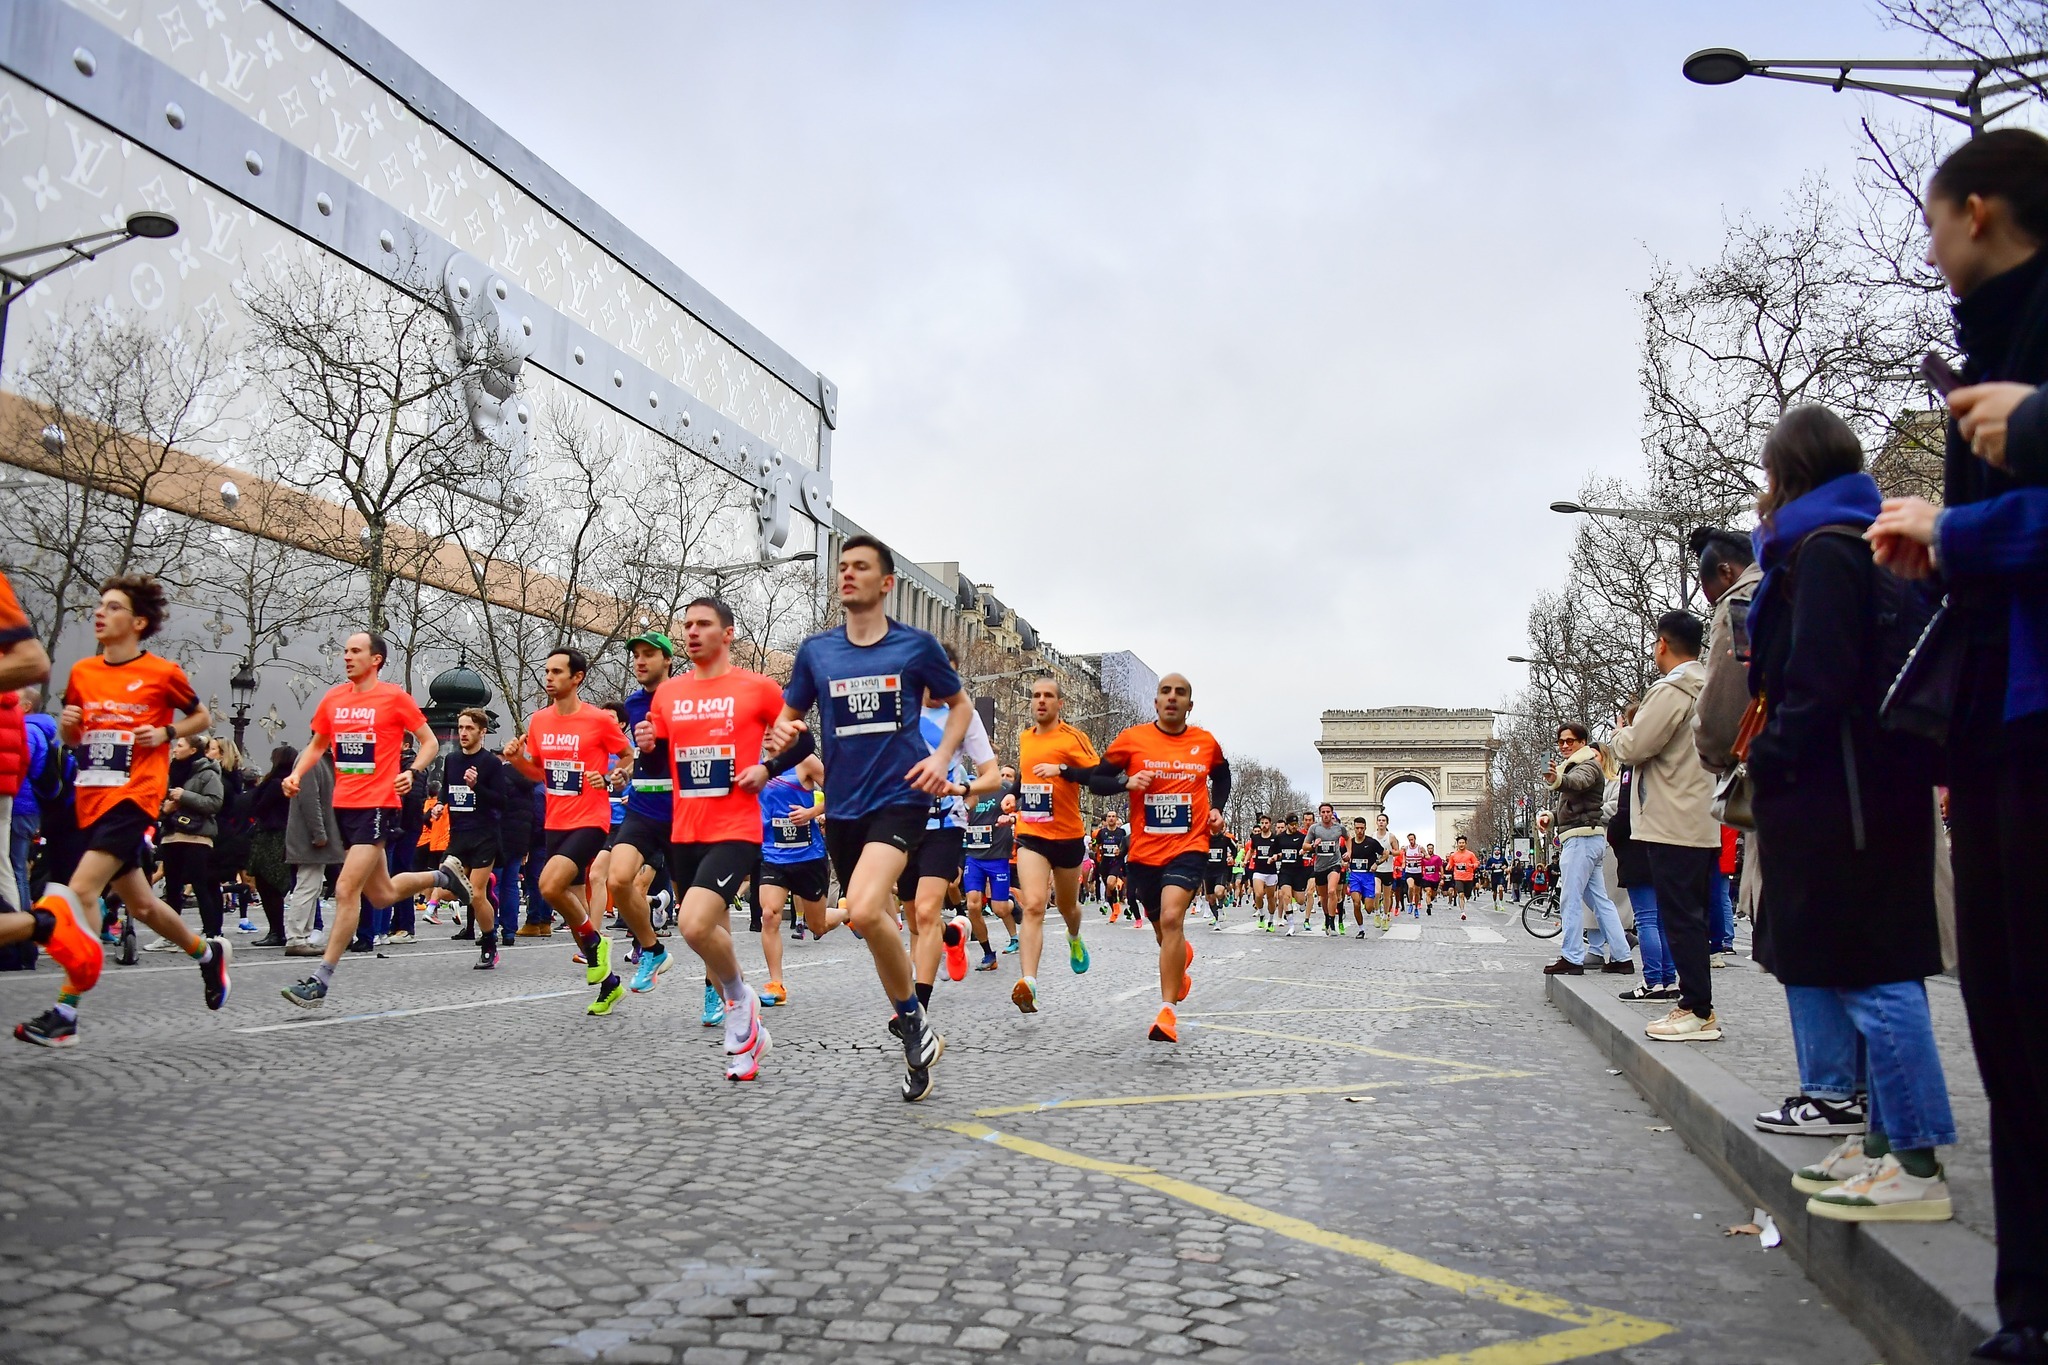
[[344, 30], [129, 91]]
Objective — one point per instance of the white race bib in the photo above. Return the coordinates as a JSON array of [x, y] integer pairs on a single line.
[[1034, 802], [106, 758]]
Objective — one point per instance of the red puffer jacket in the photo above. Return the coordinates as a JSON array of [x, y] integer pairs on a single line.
[[13, 744]]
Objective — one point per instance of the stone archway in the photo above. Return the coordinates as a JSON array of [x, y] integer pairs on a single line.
[[1448, 751]]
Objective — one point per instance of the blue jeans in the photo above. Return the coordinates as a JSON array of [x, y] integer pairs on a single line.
[[1658, 969], [538, 911], [507, 884], [1894, 1037], [25, 826], [1579, 867], [1721, 916]]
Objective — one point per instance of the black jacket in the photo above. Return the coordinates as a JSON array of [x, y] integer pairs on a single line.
[[516, 821], [1834, 914], [487, 793], [1631, 859]]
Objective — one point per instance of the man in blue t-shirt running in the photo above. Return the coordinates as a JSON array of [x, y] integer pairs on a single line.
[[865, 678]]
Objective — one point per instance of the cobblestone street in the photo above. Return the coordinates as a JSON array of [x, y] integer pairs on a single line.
[[1384, 1151]]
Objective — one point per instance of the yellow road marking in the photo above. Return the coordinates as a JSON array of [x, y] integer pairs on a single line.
[[1351, 1088], [1596, 1329], [1337, 1009], [1339, 1042]]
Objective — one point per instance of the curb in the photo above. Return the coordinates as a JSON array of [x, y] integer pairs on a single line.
[[1921, 1291]]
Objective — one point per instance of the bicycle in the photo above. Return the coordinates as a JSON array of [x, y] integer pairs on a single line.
[[1541, 915]]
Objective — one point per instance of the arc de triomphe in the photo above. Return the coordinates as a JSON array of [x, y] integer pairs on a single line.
[[1366, 753]]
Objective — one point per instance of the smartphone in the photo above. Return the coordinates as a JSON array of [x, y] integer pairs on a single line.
[[1939, 374]]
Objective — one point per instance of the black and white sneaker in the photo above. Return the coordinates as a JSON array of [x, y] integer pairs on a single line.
[[923, 1045], [1808, 1117]]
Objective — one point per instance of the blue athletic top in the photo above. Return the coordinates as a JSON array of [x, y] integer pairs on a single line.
[[950, 812], [868, 699], [781, 840], [649, 792]]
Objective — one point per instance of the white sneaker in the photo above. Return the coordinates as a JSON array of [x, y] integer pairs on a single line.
[[1717, 959], [402, 936], [1844, 1161], [161, 945], [1886, 1194], [1683, 1026]]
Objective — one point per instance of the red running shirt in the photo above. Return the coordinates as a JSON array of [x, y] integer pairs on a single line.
[[573, 753], [117, 700], [366, 731], [1171, 817], [714, 728]]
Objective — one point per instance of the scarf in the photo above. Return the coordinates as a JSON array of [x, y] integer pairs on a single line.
[[1851, 500]]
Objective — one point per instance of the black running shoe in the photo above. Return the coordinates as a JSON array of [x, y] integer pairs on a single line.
[[917, 1083], [923, 1045], [48, 1029], [488, 958], [214, 972]]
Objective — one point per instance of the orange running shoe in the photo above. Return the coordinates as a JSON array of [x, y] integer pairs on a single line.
[[1165, 1029], [955, 936], [1187, 977], [1024, 995], [73, 944]]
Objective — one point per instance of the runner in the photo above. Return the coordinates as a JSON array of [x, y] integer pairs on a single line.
[[1464, 865], [572, 748], [989, 844], [1049, 842], [793, 866], [1432, 878], [1411, 873], [1324, 845], [1168, 768], [1293, 873], [1386, 872], [714, 719], [638, 847], [1112, 842], [120, 711], [880, 774], [1497, 872], [365, 721], [474, 780], [1265, 872], [1216, 879], [1366, 854], [929, 876]]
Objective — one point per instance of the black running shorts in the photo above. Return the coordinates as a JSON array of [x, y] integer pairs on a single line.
[[119, 832], [645, 833], [900, 827], [579, 846], [1061, 853], [476, 846], [366, 825], [940, 854], [1145, 881], [719, 866], [808, 880]]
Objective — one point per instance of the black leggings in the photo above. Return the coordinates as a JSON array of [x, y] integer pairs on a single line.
[[193, 864]]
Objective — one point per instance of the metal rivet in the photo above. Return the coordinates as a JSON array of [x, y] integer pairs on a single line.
[[526, 326], [653, 400], [384, 240], [462, 287], [84, 61], [498, 288], [579, 355], [686, 421], [324, 204], [523, 414], [253, 162], [174, 114], [618, 379], [716, 438]]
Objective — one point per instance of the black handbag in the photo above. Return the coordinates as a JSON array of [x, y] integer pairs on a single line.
[[1922, 700]]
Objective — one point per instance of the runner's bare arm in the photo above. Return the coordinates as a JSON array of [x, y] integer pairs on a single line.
[[23, 662]]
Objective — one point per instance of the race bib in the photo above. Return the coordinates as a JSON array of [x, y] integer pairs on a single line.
[[704, 771], [105, 759], [1034, 802], [1169, 813], [565, 777], [789, 834], [355, 753], [461, 798], [865, 706], [979, 838]]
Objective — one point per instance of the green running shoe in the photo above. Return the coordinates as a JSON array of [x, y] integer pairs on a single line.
[[1077, 955], [608, 994], [598, 964]]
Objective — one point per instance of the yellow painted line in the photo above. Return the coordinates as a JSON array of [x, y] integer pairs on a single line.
[[1597, 1329], [1195, 1097], [1339, 1042], [1335, 1009]]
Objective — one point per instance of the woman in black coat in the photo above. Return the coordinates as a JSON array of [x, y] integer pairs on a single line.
[[269, 812], [1845, 818]]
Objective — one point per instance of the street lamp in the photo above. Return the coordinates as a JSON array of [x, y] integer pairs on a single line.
[[1725, 66], [1547, 663], [721, 571], [76, 251], [1643, 516], [243, 687]]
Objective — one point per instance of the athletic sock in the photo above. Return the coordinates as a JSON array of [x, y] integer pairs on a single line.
[[734, 991], [924, 993], [67, 1010], [205, 953], [587, 937], [1918, 1161], [909, 1009], [324, 973]]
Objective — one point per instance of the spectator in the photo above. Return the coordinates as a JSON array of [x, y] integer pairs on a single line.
[[186, 832], [1632, 870], [1847, 812], [1669, 816], [14, 759], [1987, 211], [234, 829], [1580, 781], [515, 875], [312, 845], [270, 815], [1728, 576]]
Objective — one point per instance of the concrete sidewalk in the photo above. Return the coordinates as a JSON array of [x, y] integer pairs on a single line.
[[1921, 1291]]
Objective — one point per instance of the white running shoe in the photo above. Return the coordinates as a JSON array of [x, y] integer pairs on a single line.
[[1887, 1193]]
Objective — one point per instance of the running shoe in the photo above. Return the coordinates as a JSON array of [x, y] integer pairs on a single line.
[[306, 994], [923, 1045], [1360, 933], [213, 973], [1165, 1028], [653, 962], [743, 1023], [245, 925], [1024, 995], [955, 936], [772, 993], [714, 1006], [71, 941], [49, 1029], [609, 993], [451, 876], [487, 958], [1187, 976], [1077, 955], [597, 965], [988, 960], [402, 936], [746, 1065], [1014, 944], [1887, 1193]]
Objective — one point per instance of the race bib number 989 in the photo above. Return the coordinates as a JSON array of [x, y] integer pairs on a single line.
[[565, 777], [865, 706]]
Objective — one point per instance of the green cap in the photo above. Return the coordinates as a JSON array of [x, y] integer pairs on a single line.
[[655, 638]]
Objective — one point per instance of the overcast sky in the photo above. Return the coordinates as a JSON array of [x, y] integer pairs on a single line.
[[1253, 338]]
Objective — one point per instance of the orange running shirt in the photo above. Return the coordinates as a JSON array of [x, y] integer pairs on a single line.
[[14, 627], [366, 731], [573, 754], [1050, 807], [1171, 817], [1463, 865], [117, 700], [714, 727]]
